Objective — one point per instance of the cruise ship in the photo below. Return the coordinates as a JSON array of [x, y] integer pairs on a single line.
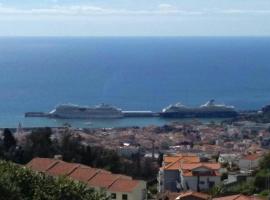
[[70, 111], [209, 109]]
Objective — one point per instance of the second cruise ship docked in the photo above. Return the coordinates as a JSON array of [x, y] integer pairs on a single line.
[[210, 109]]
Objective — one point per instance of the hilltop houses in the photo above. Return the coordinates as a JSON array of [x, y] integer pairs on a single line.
[[186, 172]]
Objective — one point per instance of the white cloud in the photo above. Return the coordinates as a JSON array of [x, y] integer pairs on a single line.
[[81, 10], [165, 6], [87, 10], [238, 11]]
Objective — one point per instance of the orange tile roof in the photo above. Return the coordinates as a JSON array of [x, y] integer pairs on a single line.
[[187, 157], [41, 164], [83, 174], [62, 168], [103, 180], [92, 176], [122, 185], [252, 157], [192, 166], [173, 162], [237, 197], [189, 173], [193, 194]]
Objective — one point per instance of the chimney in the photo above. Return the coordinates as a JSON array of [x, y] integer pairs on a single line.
[[58, 157]]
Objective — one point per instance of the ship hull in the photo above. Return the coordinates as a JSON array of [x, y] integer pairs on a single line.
[[214, 114], [71, 116]]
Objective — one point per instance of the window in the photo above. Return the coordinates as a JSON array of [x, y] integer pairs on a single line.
[[113, 196], [124, 196]]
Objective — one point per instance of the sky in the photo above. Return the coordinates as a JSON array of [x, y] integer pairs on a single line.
[[134, 17]]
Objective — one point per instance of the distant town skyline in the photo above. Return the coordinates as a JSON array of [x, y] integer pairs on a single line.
[[135, 18]]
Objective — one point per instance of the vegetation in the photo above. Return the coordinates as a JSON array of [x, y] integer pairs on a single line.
[[259, 184], [19, 183], [42, 143]]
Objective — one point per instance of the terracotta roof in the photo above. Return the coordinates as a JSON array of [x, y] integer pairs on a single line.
[[42, 164], [192, 166], [122, 185], [189, 173], [186, 157], [83, 174], [62, 168], [193, 194], [92, 176], [238, 197], [252, 157], [173, 162], [103, 180]]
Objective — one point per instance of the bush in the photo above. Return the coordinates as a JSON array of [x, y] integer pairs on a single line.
[[20, 183]]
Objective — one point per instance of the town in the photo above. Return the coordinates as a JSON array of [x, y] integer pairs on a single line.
[[181, 160]]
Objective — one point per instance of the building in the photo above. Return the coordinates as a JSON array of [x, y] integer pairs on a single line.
[[189, 195], [186, 172], [238, 197], [117, 187], [249, 162]]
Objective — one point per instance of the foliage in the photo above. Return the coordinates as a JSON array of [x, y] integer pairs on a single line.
[[9, 140], [38, 144], [265, 162], [244, 187], [42, 143], [19, 183]]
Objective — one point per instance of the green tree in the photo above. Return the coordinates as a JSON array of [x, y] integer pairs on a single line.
[[39, 144], [18, 183], [8, 139]]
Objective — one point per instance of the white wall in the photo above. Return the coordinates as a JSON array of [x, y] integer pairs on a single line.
[[139, 193], [192, 182], [248, 164]]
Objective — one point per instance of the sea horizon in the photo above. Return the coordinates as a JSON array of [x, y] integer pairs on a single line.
[[133, 73]]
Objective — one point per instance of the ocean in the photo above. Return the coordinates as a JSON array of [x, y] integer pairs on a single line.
[[133, 73]]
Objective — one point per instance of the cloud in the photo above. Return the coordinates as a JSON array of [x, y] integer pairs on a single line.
[[238, 11], [165, 6], [82, 10], [88, 10]]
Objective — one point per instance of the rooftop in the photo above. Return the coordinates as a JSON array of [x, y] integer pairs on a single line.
[[91, 176], [193, 194], [238, 197]]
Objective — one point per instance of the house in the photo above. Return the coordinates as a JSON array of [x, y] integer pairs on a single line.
[[117, 187], [186, 172], [189, 195], [199, 176], [231, 158], [238, 197], [249, 162]]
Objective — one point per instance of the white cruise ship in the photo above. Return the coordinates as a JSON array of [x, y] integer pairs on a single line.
[[70, 111], [175, 108], [210, 109]]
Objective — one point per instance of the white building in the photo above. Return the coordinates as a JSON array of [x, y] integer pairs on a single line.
[[186, 172], [249, 162]]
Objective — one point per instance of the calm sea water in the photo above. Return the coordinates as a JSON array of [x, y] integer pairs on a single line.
[[36, 74]]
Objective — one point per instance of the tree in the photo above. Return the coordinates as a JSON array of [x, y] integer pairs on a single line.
[[265, 162], [160, 159], [9, 140], [39, 144], [18, 183]]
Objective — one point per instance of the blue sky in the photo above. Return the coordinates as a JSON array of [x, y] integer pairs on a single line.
[[135, 17]]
